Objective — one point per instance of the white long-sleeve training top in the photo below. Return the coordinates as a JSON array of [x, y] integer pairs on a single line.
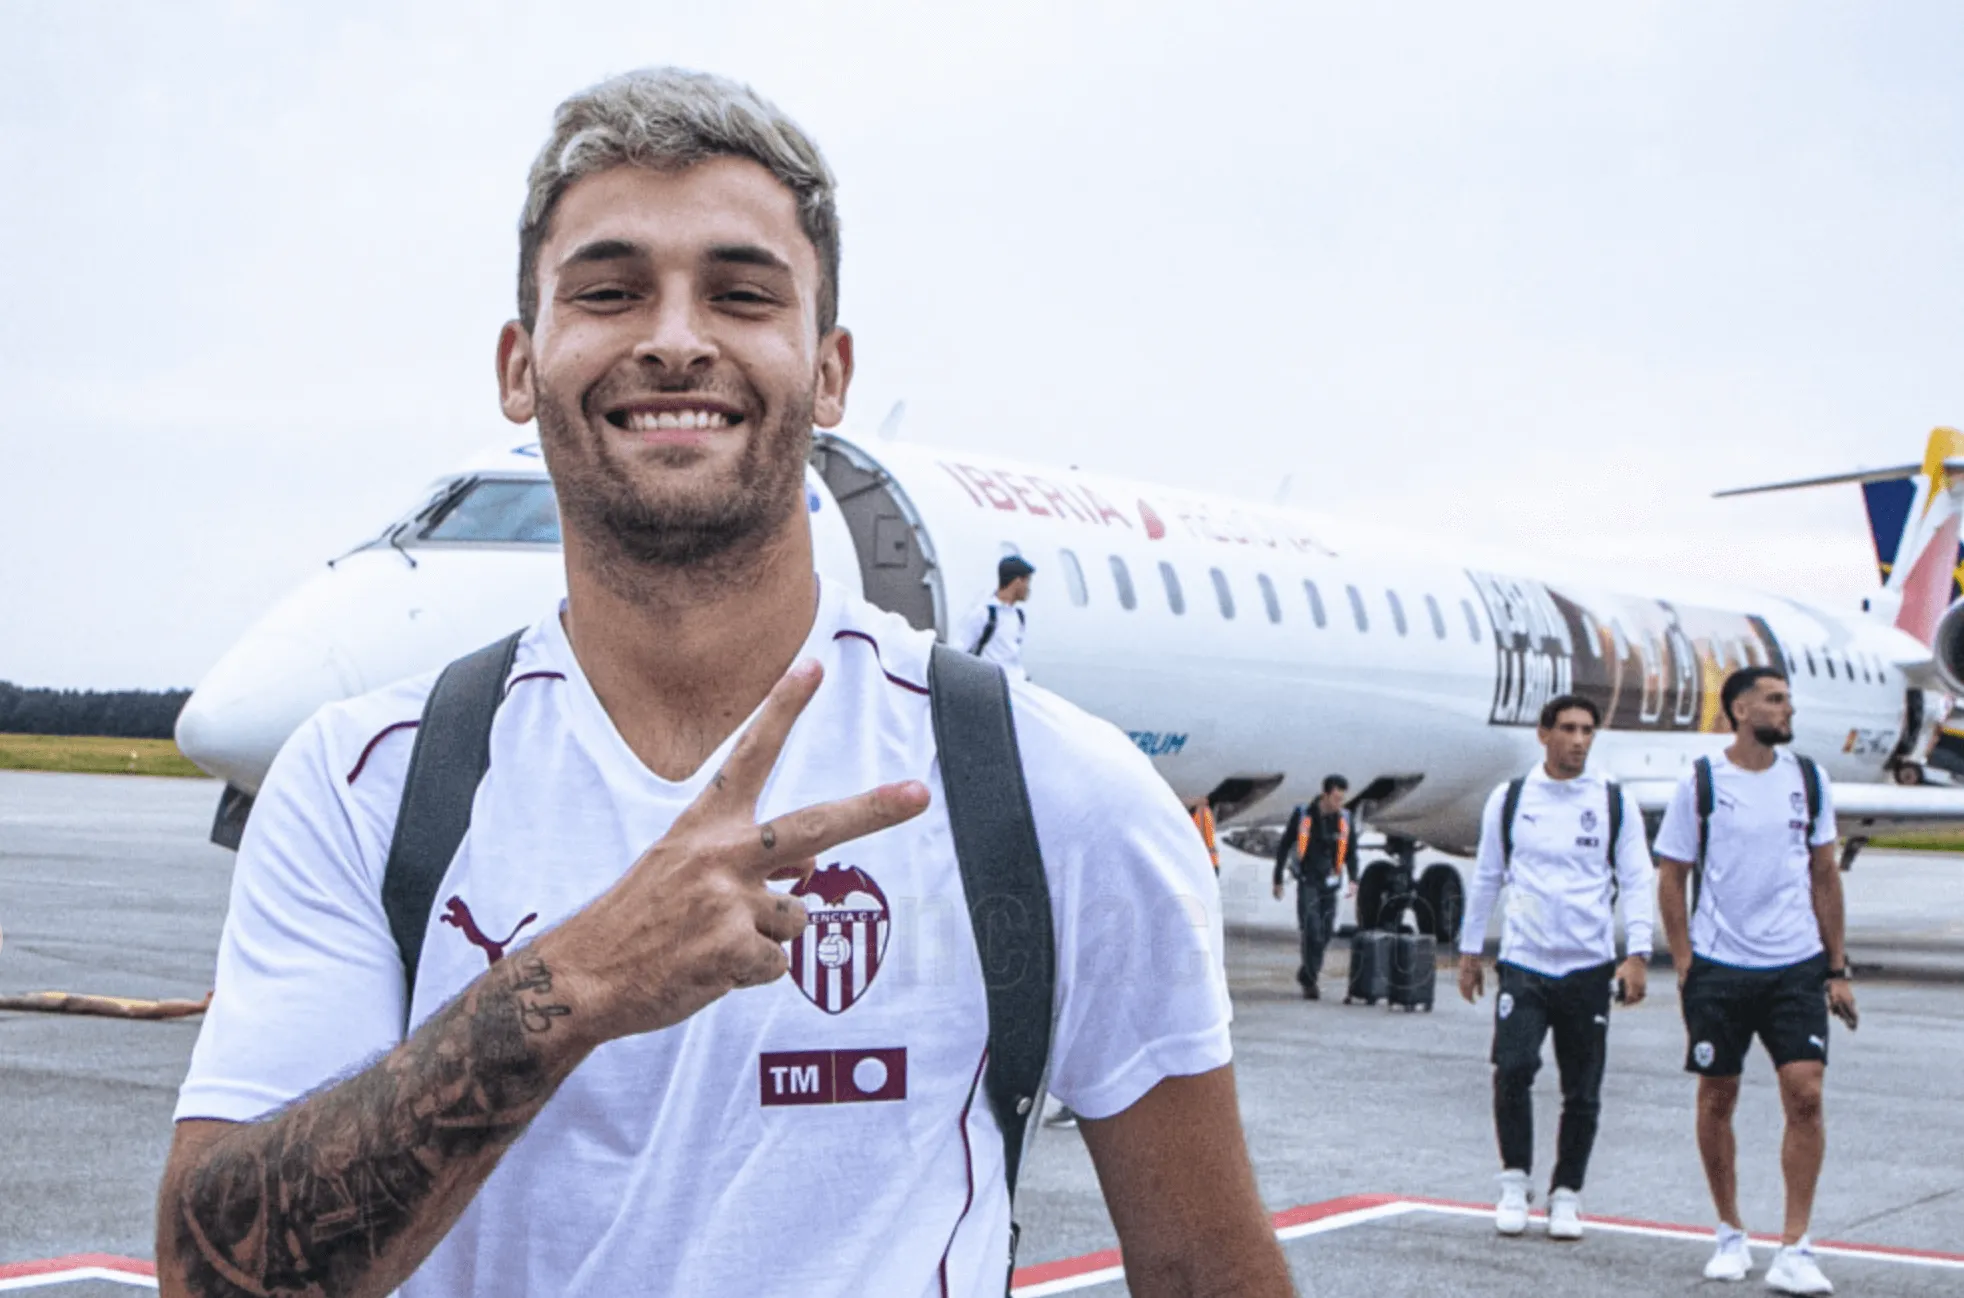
[[1560, 914]]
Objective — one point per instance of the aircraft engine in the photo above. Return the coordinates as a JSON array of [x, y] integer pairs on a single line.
[[1947, 647]]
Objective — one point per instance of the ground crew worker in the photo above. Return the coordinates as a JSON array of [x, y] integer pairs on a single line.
[[1751, 833], [994, 629], [1318, 846], [1575, 842], [1203, 820], [701, 756]]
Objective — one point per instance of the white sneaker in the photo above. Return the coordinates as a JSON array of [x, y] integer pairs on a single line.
[[1733, 1259], [1510, 1215], [1564, 1215], [1794, 1271]]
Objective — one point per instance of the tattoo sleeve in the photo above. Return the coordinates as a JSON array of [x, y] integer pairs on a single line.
[[347, 1190]]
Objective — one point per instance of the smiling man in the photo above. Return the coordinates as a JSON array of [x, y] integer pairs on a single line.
[[702, 756]]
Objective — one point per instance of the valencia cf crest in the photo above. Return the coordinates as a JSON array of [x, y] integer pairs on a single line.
[[836, 958], [1798, 801], [1588, 821]]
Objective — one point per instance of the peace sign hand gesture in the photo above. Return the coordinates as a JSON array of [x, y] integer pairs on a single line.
[[692, 919]]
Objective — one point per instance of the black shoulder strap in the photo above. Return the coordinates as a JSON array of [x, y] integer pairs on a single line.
[[988, 632], [1007, 891], [1508, 806], [1615, 792], [452, 752], [1810, 779], [1705, 798]]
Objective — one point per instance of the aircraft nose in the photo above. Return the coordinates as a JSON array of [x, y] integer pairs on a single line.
[[260, 691]]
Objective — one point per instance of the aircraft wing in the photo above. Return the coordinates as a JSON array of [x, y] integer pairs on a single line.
[[1861, 810]]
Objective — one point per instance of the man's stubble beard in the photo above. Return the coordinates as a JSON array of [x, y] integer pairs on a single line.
[[716, 532], [1773, 736]]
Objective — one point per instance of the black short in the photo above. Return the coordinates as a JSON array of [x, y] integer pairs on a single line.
[[1725, 1007]]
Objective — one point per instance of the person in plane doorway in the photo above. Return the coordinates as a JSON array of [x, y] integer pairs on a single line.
[[994, 629], [1750, 837], [1319, 845], [1564, 844]]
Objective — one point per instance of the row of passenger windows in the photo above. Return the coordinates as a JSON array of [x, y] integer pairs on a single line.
[[1272, 604], [1868, 666]]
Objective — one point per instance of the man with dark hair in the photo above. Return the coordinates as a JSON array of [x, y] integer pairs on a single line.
[[1750, 836], [994, 629], [1318, 846], [602, 1071], [1564, 844]]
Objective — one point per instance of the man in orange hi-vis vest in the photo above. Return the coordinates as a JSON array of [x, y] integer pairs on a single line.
[[1203, 820], [1318, 847]]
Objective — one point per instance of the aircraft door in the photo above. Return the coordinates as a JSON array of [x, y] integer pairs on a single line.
[[896, 562]]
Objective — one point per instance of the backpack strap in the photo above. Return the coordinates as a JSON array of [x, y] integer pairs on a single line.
[[1508, 806], [1007, 891], [1615, 792], [1810, 779], [452, 752], [1705, 798], [988, 632]]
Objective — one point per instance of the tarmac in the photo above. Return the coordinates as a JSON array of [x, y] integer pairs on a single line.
[[1370, 1128]]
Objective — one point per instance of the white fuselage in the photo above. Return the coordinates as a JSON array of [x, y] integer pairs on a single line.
[[1253, 706]]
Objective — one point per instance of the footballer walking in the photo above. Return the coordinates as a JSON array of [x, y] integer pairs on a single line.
[[1564, 844], [1750, 895]]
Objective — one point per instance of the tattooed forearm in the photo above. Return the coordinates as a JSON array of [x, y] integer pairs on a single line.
[[348, 1190]]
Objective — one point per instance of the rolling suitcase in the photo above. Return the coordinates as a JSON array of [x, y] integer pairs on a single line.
[[1370, 967], [1414, 970]]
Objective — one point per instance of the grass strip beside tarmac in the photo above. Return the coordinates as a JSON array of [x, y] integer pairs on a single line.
[[94, 755], [1938, 840]]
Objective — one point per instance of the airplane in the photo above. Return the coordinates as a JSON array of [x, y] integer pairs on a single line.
[[1237, 646]]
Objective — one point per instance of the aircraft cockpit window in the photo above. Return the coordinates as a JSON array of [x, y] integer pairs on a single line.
[[1222, 593], [1809, 654], [512, 511], [1848, 664], [1397, 610], [1472, 620], [1269, 600], [1357, 608], [1122, 579], [1074, 579], [1315, 604], [1438, 618], [1828, 659], [1174, 599]]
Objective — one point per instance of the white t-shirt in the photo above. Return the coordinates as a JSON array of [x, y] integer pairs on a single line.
[[1005, 646], [702, 1159], [1559, 915], [1756, 904]]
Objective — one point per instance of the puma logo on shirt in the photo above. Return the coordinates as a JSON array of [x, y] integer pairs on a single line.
[[458, 916]]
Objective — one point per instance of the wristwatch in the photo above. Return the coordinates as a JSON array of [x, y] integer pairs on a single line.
[[1838, 975]]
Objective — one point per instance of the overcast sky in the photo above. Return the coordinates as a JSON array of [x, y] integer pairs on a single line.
[[1541, 276]]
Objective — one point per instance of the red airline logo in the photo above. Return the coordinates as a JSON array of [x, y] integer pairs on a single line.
[[1037, 497]]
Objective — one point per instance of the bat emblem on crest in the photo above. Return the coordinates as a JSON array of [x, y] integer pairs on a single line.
[[837, 957]]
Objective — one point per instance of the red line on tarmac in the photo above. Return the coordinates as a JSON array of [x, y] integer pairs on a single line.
[[76, 1261], [1065, 1268], [1705, 1232], [1105, 1259]]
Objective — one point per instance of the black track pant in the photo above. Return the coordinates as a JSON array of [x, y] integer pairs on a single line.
[[1316, 913], [1576, 1009]]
